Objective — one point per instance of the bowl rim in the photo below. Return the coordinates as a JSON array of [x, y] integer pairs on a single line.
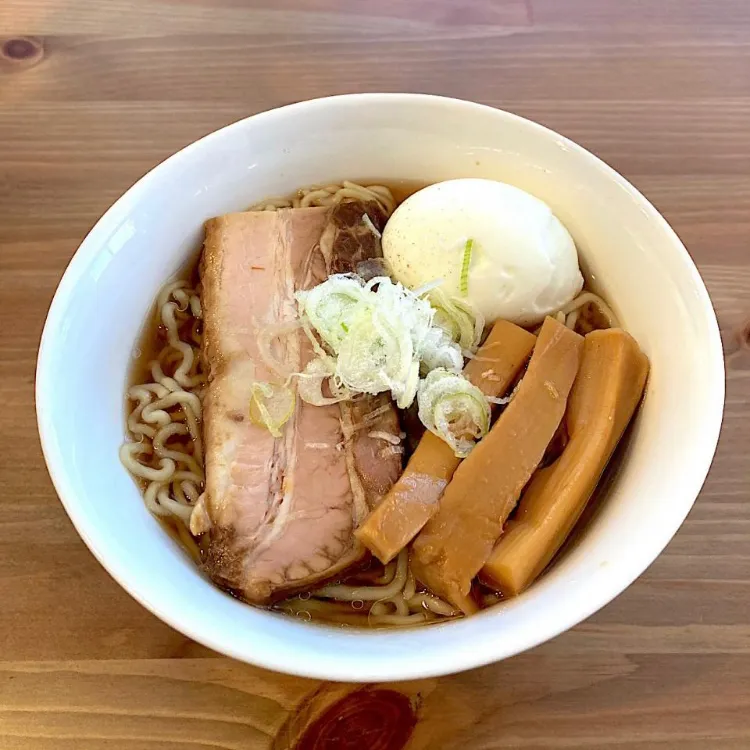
[[390, 669]]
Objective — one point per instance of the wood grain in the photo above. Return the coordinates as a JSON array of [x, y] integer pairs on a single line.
[[96, 93]]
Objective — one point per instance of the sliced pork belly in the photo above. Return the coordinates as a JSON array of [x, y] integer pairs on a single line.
[[279, 514]]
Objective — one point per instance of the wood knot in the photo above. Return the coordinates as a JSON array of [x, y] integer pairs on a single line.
[[736, 342], [365, 719], [21, 51], [743, 336]]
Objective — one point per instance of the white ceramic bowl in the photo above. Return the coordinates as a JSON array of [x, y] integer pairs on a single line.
[[636, 260]]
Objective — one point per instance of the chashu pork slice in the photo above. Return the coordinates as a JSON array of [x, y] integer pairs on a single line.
[[278, 515]]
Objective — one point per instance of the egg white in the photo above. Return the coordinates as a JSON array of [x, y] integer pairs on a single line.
[[524, 263]]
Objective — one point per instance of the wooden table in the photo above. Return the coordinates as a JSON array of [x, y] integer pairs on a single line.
[[93, 93]]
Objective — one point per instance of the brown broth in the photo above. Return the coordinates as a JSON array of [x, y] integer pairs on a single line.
[[401, 189], [153, 336]]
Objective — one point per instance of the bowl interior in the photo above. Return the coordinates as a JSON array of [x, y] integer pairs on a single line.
[[629, 253]]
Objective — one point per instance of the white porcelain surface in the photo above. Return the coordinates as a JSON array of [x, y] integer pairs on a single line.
[[629, 250]]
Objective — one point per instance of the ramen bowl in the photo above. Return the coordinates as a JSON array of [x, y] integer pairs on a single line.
[[628, 252]]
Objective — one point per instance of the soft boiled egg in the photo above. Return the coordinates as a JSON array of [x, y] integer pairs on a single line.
[[520, 263]]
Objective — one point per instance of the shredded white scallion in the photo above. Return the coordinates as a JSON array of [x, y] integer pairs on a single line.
[[461, 320], [387, 436], [310, 384], [498, 401], [420, 291], [367, 221], [381, 334]]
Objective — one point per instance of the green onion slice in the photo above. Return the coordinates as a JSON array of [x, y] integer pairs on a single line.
[[463, 284], [453, 409], [271, 406]]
